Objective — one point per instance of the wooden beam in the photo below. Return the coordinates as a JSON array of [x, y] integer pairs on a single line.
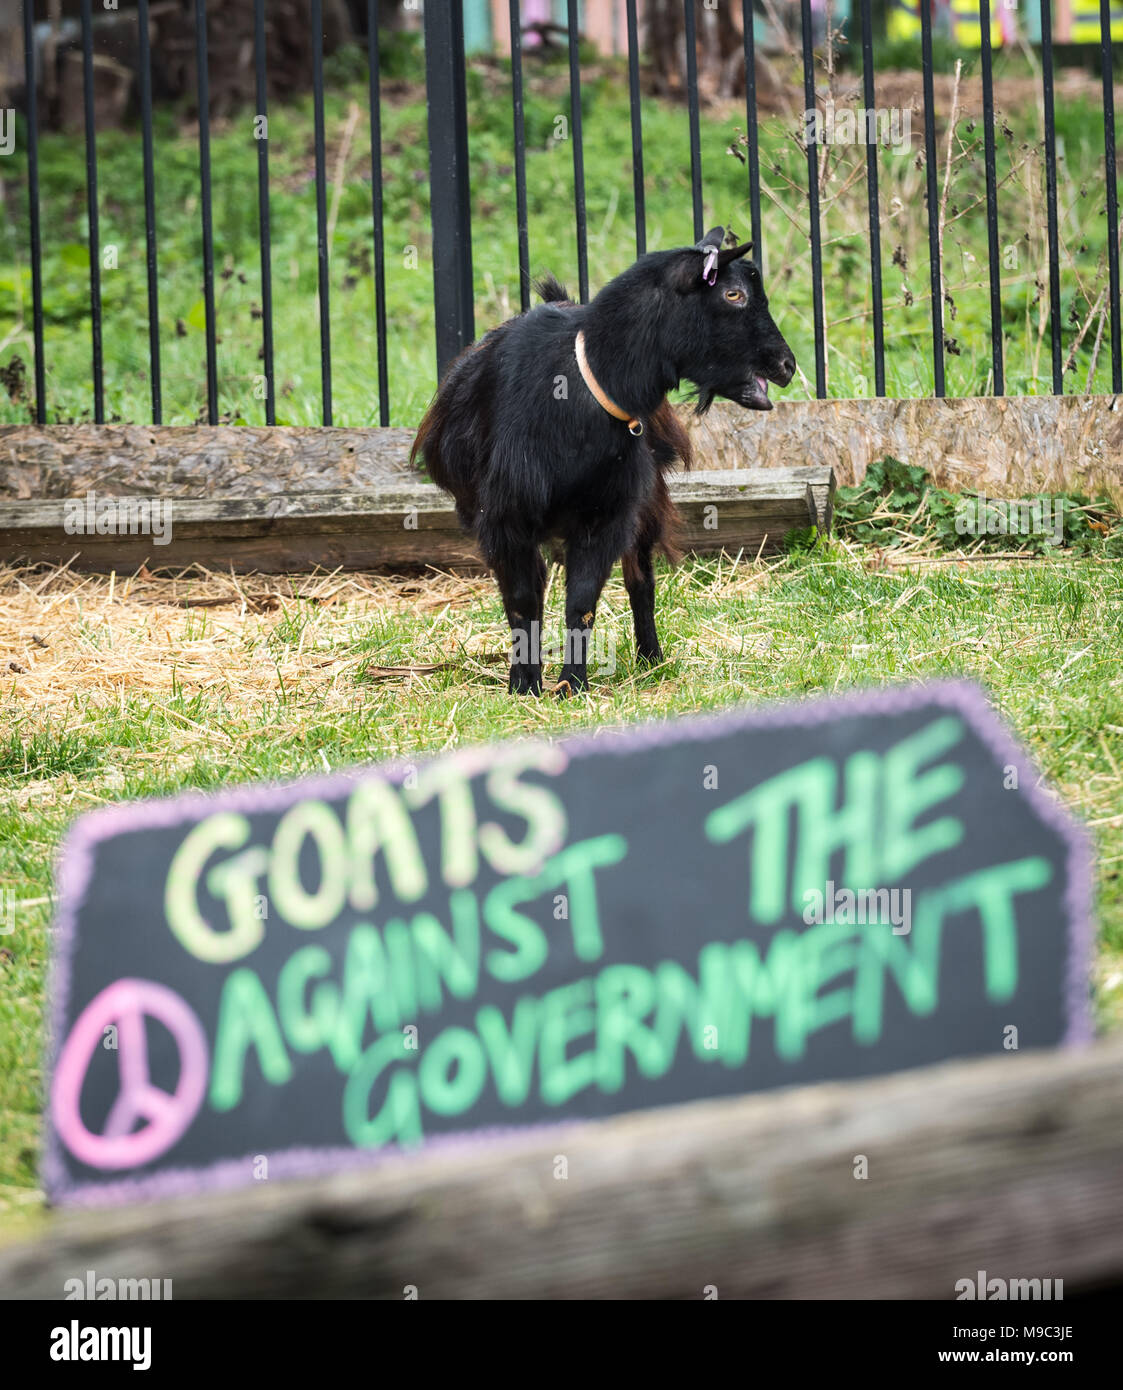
[[1013, 1165], [400, 524]]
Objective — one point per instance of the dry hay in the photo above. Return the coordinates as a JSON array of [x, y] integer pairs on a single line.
[[74, 641], [96, 640]]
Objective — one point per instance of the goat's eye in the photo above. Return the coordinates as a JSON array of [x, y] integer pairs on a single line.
[[735, 296]]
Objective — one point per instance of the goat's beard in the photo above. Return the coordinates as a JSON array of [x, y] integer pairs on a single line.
[[704, 399], [744, 396]]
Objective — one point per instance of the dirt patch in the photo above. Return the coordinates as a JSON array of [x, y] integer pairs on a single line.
[[780, 91]]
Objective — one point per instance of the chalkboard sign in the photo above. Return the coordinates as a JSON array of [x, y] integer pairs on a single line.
[[282, 980]]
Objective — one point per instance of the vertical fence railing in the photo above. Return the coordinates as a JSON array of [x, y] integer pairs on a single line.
[[872, 201], [752, 135], [322, 248], [1051, 196], [813, 198], [144, 62], [576, 134], [518, 117], [999, 383], [94, 236], [637, 128], [264, 232], [31, 97], [695, 119], [378, 227], [1107, 65], [450, 206], [935, 270], [204, 101]]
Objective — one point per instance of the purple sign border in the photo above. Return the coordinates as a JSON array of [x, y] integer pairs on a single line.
[[76, 867]]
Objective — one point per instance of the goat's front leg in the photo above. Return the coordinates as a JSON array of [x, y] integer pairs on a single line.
[[521, 573], [588, 564]]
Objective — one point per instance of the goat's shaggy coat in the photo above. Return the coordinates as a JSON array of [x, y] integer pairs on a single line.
[[529, 454]]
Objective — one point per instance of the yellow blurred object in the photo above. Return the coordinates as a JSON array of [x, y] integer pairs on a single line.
[[966, 28], [904, 20], [1078, 22], [1085, 25]]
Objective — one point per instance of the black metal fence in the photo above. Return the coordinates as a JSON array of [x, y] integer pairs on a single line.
[[450, 190]]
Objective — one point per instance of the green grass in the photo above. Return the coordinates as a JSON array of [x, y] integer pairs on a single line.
[[133, 699], [608, 177]]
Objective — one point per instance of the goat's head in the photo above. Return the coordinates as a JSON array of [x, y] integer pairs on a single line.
[[726, 341]]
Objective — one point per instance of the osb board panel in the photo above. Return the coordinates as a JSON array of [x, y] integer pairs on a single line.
[[1011, 447], [43, 461]]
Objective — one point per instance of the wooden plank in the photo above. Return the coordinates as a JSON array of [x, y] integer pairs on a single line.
[[404, 523], [819, 477], [1013, 1165]]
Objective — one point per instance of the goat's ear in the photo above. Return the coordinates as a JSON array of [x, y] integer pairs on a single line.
[[734, 253], [713, 238], [684, 271], [692, 269]]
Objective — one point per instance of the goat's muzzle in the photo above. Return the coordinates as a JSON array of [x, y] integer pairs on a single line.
[[753, 394], [784, 368]]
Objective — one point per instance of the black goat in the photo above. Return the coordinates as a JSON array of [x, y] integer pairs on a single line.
[[555, 425]]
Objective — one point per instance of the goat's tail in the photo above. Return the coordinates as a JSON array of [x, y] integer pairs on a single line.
[[552, 290], [452, 439], [427, 441], [428, 444]]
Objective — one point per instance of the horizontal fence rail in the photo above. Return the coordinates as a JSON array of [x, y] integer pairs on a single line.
[[447, 197]]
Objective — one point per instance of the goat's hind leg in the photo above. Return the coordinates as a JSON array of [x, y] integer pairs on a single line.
[[639, 580], [521, 574]]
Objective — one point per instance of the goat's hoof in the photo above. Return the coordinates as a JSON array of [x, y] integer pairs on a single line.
[[570, 684], [653, 657], [525, 683]]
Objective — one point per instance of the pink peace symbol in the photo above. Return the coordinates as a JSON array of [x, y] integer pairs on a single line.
[[125, 1003]]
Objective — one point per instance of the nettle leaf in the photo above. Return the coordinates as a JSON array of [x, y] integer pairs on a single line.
[[871, 511]]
